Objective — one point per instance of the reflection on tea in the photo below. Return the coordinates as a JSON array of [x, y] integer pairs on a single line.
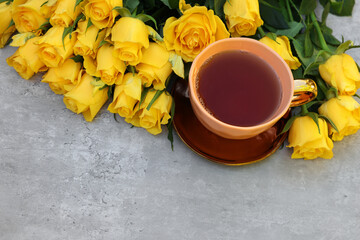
[[239, 88]]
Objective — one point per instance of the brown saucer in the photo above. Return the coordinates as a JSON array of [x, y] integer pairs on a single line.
[[218, 149]]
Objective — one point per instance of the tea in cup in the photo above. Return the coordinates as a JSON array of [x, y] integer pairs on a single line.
[[239, 87]]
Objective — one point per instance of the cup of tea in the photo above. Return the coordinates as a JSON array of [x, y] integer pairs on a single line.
[[239, 87]]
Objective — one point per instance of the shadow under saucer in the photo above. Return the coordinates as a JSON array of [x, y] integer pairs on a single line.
[[218, 149]]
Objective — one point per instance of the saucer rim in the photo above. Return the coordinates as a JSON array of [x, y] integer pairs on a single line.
[[280, 140]]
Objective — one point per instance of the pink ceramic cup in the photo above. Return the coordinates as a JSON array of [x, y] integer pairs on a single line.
[[276, 62]]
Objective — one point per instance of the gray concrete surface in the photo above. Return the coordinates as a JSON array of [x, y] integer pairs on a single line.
[[64, 178]]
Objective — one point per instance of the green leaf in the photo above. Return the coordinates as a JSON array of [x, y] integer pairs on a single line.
[[298, 44], [70, 29], [77, 3], [67, 31], [307, 6], [288, 124], [89, 24], [78, 58], [340, 7], [131, 4], [272, 16], [329, 121], [12, 23], [103, 42], [344, 46], [124, 12], [110, 91], [298, 73], [45, 26], [314, 117], [156, 96], [145, 18], [292, 31], [325, 13], [329, 38], [310, 104], [219, 8], [172, 4], [308, 45], [271, 35], [170, 125], [40, 5], [143, 96]]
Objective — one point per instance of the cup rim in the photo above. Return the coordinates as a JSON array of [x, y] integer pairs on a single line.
[[194, 97]]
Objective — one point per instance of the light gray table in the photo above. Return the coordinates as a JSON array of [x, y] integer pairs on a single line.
[[64, 178]]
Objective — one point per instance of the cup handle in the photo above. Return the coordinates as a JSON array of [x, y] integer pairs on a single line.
[[305, 90]]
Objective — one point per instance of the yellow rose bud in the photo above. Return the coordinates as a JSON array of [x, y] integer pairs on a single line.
[[341, 72], [282, 47], [5, 29], [63, 78], [154, 67], [20, 39], [65, 13], [26, 61], [83, 99], [130, 36], [306, 140], [52, 50], [344, 112], [126, 96], [87, 39], [110, 68], [193, 31], [242, 17], [27, 15], [158, 114], [90, 66], [101, 12]]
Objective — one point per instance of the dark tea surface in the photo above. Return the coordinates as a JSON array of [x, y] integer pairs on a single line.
[[239, 88]]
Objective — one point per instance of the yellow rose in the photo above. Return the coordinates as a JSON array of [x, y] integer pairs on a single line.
[[344, 112], [85, 98], [65, 13], [282, 47], [26, 61], [242, 17], [87, 39], [193, 31], [126, 96], [63, 78], [154, 67], [48, 8], [101, 12], [27, 15], [341, 72], [158, 114], [52, 51], [5, 29], [109, 68], [306, 140], [130, 36]]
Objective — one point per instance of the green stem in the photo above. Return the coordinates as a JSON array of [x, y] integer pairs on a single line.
[[304, 110], [322, 85], [318, 30], [289, 11], [261, 31]]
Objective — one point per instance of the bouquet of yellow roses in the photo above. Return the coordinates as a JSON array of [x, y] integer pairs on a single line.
[[131, 51]]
